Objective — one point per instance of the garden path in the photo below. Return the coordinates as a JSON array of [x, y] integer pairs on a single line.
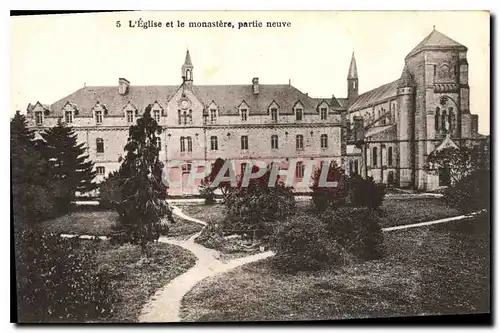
[[165, 304]]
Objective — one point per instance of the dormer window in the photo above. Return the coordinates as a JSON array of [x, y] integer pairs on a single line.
[[323, 113], [130, 116], [244, 114], [213, 116], [39, 118], [274, 115], [98, 117], [156, 115], [298, 114], [68, 117]]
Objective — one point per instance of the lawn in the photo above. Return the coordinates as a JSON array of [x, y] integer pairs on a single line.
[[413, 210], [207, 213], [135, 279], [100, 223], [441, 269]]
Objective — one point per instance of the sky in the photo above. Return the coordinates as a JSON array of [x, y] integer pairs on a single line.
[[54, 55]]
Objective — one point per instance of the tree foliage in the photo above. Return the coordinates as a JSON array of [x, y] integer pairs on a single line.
[[460, 162], [258, 205], [324, 197], [69, 165], [471, 193], [365, 192], [143, 194]]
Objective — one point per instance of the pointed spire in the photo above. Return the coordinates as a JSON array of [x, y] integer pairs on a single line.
[[353, 71], [188, 62]]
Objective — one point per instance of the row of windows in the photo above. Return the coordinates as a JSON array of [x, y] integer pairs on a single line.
[[99, 143], [375, 156], [185, 117], [98, 116], [299, 142]]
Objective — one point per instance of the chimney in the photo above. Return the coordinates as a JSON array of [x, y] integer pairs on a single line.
[[123, 85], [255, 83]]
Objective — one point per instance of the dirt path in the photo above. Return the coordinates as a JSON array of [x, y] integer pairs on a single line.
[[165, 304]]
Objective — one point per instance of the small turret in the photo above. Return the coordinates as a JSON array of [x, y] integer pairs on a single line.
[[187, 71]]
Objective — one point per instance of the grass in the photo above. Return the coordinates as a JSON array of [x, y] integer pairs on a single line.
[[441, 269], [100, 223], [96, 223], [207, 213], [414, 210], [135, 279]]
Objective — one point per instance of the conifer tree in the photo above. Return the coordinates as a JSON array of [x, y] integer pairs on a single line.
[[69, 164], [31, 189], [143, 192]]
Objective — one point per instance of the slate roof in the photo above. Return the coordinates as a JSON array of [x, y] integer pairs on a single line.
[[227, 97], [353, 70], [374, 96], [436, 40]]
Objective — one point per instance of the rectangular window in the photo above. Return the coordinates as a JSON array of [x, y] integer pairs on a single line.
[[156, 115], [323, 113], [68, 117], [274, 142], [178, 117], [98, 117], [274, 115], [324, 141], [374, 156], [158, 143], [130, 116], [299, 170], [39, 117], [99, 145], [183, 145], [298, 114], [389, 156], [213, 116], [189, 144], [101, 171], [186, 168], [244, 142], [214, 143], [299, 142], [244, 114]]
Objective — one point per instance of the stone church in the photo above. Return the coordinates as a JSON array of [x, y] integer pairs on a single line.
[[385, 133]]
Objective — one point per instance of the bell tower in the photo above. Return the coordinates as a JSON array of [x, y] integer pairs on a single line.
[[352, 81], [187, 71]]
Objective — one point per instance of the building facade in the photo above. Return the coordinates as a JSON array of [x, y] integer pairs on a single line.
[[385, 133]]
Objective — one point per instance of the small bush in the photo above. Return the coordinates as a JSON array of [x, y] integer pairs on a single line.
[[365, 192], [110, 191], [327, 197], [212, 236], [58, 280], [207, 192], [357, 230], [301, 245], [471, 193]]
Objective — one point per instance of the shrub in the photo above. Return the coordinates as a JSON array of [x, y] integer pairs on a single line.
[[471, 193], [110, 191], [58, 280], [212, 236], [301, 245], [325, 197], [207, 192], [365, 192], [357, 230]]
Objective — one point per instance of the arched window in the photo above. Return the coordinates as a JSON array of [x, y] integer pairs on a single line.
[[213, 143], [99, 145], [389, 156], [299, 142], [451, 120], [183, 145], [324, 141], [374, 156], [188, 75], [437, 118], [299, 170], [443, 120]]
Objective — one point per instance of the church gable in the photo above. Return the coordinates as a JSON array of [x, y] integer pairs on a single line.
[[446, 143]]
